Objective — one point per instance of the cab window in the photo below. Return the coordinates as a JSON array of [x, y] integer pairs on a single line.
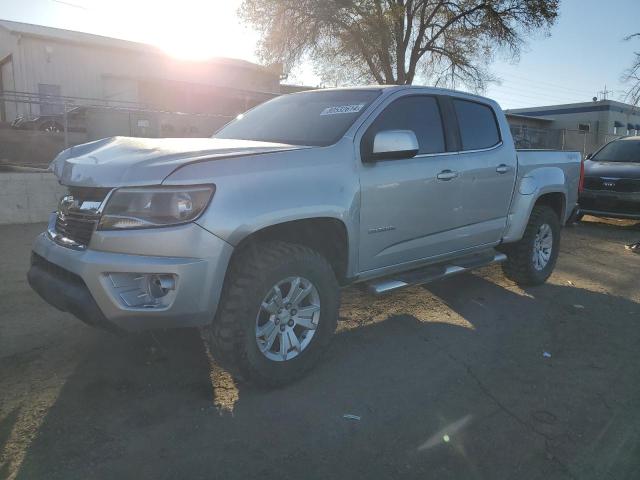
[[420, 114], [477, 123]]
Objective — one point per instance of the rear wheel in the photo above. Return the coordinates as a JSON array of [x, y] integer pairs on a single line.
[[531, 260], [277, 314]]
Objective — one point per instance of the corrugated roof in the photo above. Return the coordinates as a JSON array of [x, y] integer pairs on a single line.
[[71, 36]]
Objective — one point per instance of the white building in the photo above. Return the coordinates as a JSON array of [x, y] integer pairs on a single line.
[[49, 62]]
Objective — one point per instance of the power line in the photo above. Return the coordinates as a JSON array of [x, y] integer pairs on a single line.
[[550, 84], [69, 4], [547, 90], [517, 101], [540, 96], [543, 91]]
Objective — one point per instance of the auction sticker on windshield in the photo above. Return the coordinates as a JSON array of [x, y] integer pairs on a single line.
[[342, 109]]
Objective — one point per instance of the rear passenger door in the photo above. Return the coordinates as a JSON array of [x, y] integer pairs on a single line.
[[407, 212], [486, 173]]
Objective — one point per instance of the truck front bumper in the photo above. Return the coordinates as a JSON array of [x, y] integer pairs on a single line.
[[115, 290]]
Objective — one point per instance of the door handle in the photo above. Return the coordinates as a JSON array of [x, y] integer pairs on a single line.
[[502, 168], [447, 175]]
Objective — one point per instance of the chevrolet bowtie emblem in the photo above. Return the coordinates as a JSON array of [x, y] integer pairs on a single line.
[[66, 204]]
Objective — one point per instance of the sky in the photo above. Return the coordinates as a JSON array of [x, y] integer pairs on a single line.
[[584, 52]]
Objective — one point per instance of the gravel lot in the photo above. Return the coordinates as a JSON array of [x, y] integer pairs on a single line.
[[449, 382]]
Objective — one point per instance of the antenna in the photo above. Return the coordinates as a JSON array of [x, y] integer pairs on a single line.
[[604, 93]]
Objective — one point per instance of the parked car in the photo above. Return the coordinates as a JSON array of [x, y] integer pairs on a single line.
[[612, 181], [252, 233], [54, 123]]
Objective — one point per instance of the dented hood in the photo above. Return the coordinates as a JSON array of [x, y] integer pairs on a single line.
[[123, 161]]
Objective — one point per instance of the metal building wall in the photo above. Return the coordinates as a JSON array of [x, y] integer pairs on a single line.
[[82, 70]]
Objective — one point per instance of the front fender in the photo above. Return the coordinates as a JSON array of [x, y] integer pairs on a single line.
[[256, 192]]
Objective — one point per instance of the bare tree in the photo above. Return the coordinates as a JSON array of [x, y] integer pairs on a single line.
[[632, 76], [395, 41]]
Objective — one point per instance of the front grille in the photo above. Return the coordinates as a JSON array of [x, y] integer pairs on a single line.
[[77, 226], [622, 185], [78, 215]]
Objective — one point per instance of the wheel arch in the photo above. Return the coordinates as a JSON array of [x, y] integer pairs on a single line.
[[326, 235], [557, 201], [540, 186]]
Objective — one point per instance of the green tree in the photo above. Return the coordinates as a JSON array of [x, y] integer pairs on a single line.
[[396, 41]]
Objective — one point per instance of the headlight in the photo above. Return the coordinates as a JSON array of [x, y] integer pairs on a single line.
[[147, 207]]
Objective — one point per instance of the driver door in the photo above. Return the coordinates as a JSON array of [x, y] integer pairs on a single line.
[[408, 206]]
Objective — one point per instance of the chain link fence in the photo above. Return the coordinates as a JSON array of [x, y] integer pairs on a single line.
[[526, 137], [36, 127]]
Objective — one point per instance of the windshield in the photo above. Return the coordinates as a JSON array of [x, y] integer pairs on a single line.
[[317, 118], [619, 151]]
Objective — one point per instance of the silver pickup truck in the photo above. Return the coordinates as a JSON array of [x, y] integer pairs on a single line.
[[251, 233]]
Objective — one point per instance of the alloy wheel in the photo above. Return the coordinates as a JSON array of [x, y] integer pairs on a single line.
[[288, 319], [542, 246]]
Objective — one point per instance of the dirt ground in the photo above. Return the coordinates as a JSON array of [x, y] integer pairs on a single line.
[[448, 381]]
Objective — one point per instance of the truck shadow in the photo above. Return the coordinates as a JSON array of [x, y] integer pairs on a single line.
[[465, 365]]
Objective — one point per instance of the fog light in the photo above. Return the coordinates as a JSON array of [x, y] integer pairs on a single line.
[[143, 290], [159, 285]]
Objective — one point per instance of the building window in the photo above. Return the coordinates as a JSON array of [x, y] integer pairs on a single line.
[[584, 127], [617, 125]]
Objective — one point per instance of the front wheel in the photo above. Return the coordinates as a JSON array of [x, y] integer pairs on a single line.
[[277, 314], [531, 260]]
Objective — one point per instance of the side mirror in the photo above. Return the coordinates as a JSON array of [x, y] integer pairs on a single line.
[[589, 156], [393, 145]]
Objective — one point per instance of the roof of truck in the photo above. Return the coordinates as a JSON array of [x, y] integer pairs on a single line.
[[388, 88]]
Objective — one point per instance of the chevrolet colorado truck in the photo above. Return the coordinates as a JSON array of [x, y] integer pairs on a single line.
[[252, 233]]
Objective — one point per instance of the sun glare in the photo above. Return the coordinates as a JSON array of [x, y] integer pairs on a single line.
[[188, 30], [202, 29], [185, 48]]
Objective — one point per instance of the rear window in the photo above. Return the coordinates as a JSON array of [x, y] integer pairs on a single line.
[[478, 126], [317, 118], [619, 151]]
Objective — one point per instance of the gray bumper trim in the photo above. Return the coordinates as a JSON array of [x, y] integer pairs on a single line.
[[67, 292]]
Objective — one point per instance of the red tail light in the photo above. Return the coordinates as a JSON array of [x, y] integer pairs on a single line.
[[581, 183]]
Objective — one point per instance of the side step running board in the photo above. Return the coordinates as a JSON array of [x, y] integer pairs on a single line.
[[434, 272]]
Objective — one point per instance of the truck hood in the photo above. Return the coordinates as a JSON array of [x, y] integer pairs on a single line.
[[594, 168], [125, 161]]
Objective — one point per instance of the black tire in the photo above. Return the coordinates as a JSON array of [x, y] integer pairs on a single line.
[[519, 266], [254, 271], [575, 217]]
